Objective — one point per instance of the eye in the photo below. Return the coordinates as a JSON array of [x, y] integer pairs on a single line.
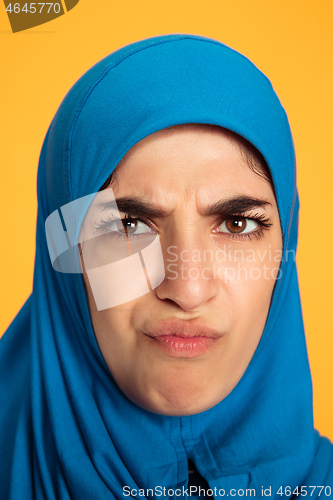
[[238, 225], [129, 226], [125, 227]]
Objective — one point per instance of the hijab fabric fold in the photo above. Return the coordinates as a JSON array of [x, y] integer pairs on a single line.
[[66, 429]]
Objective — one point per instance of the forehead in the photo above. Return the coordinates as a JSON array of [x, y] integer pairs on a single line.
[[193, 160]]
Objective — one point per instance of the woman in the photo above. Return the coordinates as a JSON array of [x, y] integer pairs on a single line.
[[111, 392]]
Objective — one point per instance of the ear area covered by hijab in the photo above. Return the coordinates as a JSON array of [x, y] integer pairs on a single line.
[[63, 433]]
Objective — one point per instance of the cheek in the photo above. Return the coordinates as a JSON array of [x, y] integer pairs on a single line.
[[109, 325], [248, 280]]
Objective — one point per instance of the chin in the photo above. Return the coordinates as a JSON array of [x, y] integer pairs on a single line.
[[178, 408], [176, 401]]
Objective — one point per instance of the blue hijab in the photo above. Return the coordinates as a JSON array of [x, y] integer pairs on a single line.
[[66, 429]]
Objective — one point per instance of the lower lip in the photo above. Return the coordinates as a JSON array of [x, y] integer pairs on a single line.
[[189, 347]]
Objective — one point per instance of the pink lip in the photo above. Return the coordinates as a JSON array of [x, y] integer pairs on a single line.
[[183, 338]]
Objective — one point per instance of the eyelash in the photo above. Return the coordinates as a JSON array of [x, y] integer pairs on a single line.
[[104, 224], [264, 223]]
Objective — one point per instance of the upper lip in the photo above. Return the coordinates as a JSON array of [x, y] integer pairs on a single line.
[[184, 329]]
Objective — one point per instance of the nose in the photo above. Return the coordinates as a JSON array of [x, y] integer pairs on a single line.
[[189, 278]]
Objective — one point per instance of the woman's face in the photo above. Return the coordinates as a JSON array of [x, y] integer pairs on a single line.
[[181, 348]]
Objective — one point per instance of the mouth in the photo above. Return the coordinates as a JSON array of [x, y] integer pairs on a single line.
[[183, 338]]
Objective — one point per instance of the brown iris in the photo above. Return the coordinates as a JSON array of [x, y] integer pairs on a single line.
[[127, 226], [236, 224]]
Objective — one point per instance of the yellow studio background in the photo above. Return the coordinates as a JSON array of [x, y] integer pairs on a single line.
[[291, 41]]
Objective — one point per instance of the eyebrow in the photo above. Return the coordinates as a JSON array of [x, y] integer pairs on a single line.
[[233, 206], [236, 206]]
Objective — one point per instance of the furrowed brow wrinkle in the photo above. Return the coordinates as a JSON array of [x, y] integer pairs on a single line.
[[136, 207]]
